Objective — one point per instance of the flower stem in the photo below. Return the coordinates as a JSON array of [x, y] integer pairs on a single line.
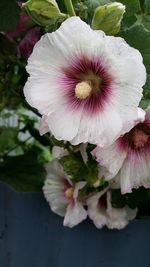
[[70, 7]]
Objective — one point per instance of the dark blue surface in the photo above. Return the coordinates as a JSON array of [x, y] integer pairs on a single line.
[[32, 236]]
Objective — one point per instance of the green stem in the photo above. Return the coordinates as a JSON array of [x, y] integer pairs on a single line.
[[70, 8]]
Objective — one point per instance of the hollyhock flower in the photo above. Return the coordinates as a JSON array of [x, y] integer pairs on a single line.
[[102, 213], [86, 85], [21, 26], [128, 159], [27, 43], [62, 195]]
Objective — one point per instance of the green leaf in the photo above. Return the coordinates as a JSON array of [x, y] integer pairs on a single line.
[[144, 19], [8, 137], [78, 171], [132, 8], [139, 37], [9, 15], [24, 173], [74, 167], [147, 5]]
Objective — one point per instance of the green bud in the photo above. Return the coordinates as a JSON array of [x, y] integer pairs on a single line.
[[43, 12], [108, 18]]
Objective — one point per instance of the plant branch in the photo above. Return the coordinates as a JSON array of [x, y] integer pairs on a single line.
[[70, 8]]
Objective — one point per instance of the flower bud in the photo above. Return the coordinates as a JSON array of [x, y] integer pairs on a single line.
[[108, 18], [43, 12]]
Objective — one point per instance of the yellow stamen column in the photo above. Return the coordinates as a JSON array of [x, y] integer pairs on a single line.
[[83, 90]]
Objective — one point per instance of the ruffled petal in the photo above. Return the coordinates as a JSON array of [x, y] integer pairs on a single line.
[[111, 158], [118, 218], [127, 63], [95, 212], [107, 124], [64, 125], [54, 187], [75, 214], [135, 172], [43, 94]]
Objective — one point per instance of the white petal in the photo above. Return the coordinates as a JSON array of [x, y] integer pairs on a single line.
[[101, 129], [59, 152], [83, 152], [54, 187], [135, 172], [133, 120], [64, 124], [75, 214], [78, 186], [111, 158], [55, 171], [118, 218], [127, 62], [43, 127], [127, 106], [43, 94], [95, 213]]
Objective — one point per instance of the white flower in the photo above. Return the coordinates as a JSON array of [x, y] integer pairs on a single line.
[[85, 84], [102, 213], [128, 159], [62, 195]]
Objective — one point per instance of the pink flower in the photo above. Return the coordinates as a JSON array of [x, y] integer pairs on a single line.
[[21, 26], [102, 213], [128, 159], [27, 43], [62, 195]]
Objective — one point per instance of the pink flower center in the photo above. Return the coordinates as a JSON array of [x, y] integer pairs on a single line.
[[140, 138], [137, 138], [87, 84]]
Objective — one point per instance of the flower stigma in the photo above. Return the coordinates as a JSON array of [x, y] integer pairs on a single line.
[[140, 138], [69, 192], [83, 89]]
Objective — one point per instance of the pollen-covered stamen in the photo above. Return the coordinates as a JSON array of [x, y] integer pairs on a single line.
[[140, 138], [83, 89], [69, 192]]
